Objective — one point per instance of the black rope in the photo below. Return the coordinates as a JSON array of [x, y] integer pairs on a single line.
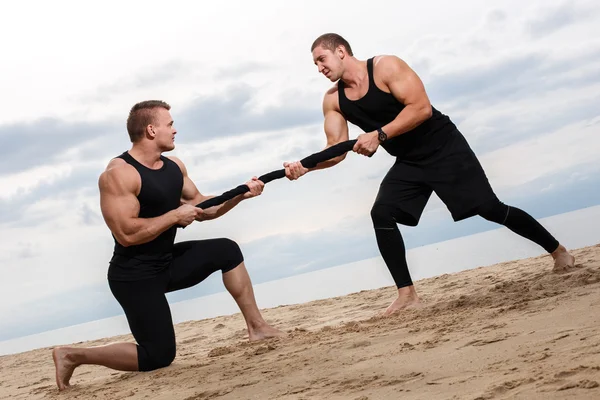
[[308, 162]]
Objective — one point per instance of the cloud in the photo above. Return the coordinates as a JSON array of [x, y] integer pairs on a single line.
[[89, 216], [496, 18], [509, 124], [570, 147], [20, 251], [220, 164], [45, 140], [233, 114], [553, 19], [496, 104], [162, 74], [515, 77], [49, 140], [238, 71], [20, 208]]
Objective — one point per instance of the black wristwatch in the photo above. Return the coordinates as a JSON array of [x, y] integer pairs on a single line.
[[381, 135]]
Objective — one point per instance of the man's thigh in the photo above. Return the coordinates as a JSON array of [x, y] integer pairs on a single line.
[[148, 314], [459, 179], [404, 191], [196, 260]]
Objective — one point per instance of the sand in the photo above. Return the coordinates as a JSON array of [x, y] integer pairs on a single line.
[[514, 330]]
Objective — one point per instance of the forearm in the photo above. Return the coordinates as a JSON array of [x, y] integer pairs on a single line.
[[409, 118], [221, 209], [332, 140], [142, 230], [328, 164]]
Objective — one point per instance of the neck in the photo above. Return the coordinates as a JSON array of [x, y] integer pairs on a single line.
[[355, 73], [146, 154]]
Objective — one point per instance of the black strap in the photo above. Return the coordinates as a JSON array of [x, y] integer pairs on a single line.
[[370, 73]]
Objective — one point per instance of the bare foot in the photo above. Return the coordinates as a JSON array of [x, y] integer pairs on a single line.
[[563, 260], [264, 331], [64, 367], [403, 303], [407, 298]]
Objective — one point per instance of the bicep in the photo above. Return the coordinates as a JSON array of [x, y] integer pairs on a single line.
[[335, 125], [190, 191]]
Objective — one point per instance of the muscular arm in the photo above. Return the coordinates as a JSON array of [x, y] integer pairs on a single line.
[[120, 207], [336, 131], [335, 126], [407, 87], [191, 195]]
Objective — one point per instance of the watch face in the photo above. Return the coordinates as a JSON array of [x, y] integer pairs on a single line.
[[382, 136]]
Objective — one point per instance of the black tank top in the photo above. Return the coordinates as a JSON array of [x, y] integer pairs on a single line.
[[377, 108], [160, 193]]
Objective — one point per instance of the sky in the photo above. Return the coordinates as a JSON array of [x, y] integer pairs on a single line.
[[521, 81]]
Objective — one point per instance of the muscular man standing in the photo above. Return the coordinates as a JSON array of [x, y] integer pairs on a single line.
[[386, 99], [144, 197]]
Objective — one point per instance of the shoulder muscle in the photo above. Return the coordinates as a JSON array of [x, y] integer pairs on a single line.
[[331, 101], [119, 178], [391, 67]]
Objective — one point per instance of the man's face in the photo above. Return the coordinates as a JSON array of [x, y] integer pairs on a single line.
[[329, 63], [164, 130]]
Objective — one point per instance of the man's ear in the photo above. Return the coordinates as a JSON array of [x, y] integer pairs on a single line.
[[150, 130]]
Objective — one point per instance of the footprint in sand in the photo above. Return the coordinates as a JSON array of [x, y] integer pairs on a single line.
[[221, 351], [582, 377], [486, 341], [583, 384], [503, 388], [260, 350], [362, 343]]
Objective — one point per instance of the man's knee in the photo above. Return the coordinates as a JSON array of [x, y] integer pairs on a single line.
[[494, 211], [234, 256], [227, 243], [158, 357], [382, 217], [386, 217]]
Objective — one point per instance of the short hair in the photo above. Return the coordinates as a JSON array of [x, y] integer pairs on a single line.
[[141, 115], [331, 41]]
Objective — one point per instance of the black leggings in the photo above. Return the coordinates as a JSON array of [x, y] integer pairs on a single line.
[[393, 251], [145, 304]]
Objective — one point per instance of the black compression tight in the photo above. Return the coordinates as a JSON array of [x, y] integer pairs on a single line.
[[391, 244], [519, 222], [146, 306]]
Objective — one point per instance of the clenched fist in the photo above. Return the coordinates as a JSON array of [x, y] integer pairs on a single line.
[[256, 187]]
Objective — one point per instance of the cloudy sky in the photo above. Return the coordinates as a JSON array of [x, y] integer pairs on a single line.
[[521, 80]]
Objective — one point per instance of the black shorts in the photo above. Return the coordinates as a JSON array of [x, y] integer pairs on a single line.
[[145, 304], [452, 172]]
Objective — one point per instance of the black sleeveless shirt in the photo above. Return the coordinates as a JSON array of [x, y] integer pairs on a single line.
[[377, 108], [159, 194]]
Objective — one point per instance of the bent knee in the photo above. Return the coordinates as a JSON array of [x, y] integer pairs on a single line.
[[229, 246], [158, 358], [386, 217], [382, 216], [232, 252], [228, 243]]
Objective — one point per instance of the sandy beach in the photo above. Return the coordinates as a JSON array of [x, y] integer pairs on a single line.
[[514, 330]]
